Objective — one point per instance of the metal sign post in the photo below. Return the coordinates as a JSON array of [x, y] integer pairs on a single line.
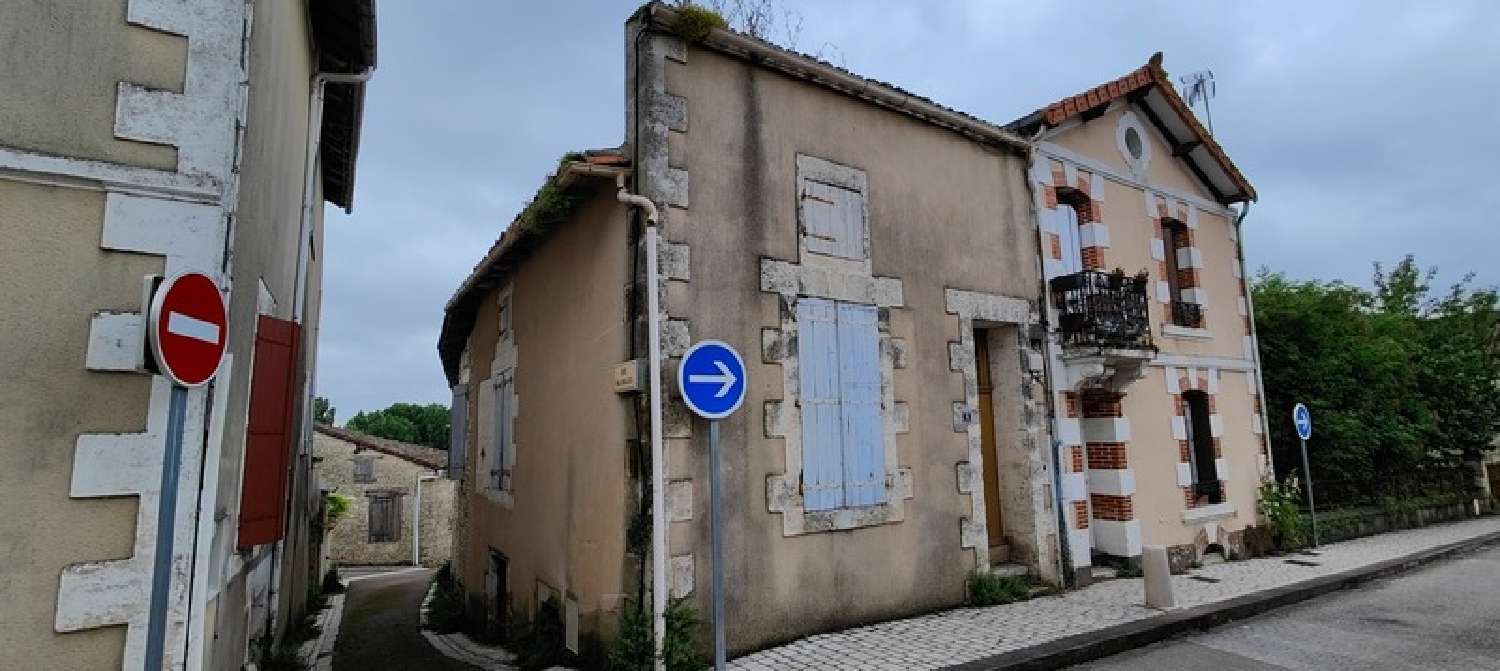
[[187, 338], [712, 381], [1302, 420]]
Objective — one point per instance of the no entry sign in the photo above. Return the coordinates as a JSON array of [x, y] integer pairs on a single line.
[[188, 328]]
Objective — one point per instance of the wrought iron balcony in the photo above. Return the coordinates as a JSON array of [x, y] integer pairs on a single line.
[[1187, 314], [1106, 311]]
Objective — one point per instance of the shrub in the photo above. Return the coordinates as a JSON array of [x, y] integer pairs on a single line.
[[990, 589], [1279, 503], [331, 584], [539, 644], [695, 22], [445, 614], [631, 648]]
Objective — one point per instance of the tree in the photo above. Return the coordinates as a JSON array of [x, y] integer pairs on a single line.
[[323, 412], [406, 422], [1398, 381]]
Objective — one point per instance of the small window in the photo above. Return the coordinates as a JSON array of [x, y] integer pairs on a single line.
[[1206, 487], [842, 435], [1174, 238], [1133, 143], [364, 468], [385, 517]]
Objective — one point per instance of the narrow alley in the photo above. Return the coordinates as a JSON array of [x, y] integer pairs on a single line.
[[381, 628]]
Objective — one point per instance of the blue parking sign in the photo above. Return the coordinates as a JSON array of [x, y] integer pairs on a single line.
[[712, 379]]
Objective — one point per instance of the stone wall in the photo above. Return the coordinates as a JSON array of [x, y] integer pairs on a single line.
[[348, 542]]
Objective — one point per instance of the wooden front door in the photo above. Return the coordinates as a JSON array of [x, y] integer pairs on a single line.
[[987, 439]]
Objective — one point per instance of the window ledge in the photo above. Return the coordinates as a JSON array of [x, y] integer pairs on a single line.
[[785, 498], [1186, 332], [1208, 513]]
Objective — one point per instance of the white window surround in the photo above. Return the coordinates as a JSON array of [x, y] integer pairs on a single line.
[[1185, 332], [1208, 513], [1128, 122], [850, 248]]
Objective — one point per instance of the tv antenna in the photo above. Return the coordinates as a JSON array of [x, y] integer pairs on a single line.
[[1200, 85]]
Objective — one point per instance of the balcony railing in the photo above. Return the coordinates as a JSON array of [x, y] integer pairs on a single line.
[[1187, 314], [1103, 310]]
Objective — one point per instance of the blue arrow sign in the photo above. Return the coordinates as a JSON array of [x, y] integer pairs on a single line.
[[1302, 419], [712, 379]]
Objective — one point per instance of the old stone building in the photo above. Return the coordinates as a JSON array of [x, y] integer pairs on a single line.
[[401, 506], [144, 138]]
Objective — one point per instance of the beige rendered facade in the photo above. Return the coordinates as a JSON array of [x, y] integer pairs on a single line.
[[1153, 355], [119, 161], [401, 506]]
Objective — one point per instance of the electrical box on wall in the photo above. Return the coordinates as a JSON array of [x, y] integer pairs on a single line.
[[629, 375]]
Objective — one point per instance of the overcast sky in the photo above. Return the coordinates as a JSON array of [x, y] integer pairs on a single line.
[[1368, 132]]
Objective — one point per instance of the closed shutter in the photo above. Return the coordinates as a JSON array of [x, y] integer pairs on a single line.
[[859, 377], [822, 425], [385, 518], [504, 442], [833, 220], [268, 432], [458, 418], [364, 468]]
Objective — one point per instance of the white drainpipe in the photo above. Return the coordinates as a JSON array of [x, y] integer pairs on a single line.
[[299, 300], [416, 521], [658, 455]]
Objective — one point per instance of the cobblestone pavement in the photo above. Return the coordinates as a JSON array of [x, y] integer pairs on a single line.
[[966, 634]]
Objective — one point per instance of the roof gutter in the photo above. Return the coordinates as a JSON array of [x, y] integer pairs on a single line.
[[768, 55]]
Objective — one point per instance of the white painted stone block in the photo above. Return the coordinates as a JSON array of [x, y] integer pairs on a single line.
[[1189, 257], [1172, 375], [1242, 306], [1096, 187], [1213, 381], [680, 500], [1184, 473], [1179, 428], [1106, 429], [191, 235], [1075, 487], [1221, 468], [1247, 347], [1216, 425], [1256, 426], [1122, 539], [1192, 216], [1093, 234], [1151, 212], [1080, 541], [1197, 295], [1113, 482], [1239, 271], [1158, 250], [1069, 431], [1163, 291], [116, 341], [1070, 174]]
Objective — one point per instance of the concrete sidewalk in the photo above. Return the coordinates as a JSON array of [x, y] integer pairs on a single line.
[[1107, 617]]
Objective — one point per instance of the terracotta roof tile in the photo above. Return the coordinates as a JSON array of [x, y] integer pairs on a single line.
[[1150, 74], [421, 455]]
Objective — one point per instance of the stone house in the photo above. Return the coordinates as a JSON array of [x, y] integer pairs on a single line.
[[853, 274], [401, 506], [141, 138], [885, 266], [1153, 364]]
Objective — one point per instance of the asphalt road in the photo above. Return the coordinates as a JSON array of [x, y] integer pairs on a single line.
[[380, 626], [1443, 616]]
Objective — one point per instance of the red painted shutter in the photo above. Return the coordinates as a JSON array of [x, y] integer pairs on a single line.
[[269, 432]]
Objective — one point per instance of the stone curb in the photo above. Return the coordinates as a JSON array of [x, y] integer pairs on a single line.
[[1094, 645]]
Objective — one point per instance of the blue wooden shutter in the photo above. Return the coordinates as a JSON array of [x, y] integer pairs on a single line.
[[458, 419], [859, 377], [822, 426], [833, 220]]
